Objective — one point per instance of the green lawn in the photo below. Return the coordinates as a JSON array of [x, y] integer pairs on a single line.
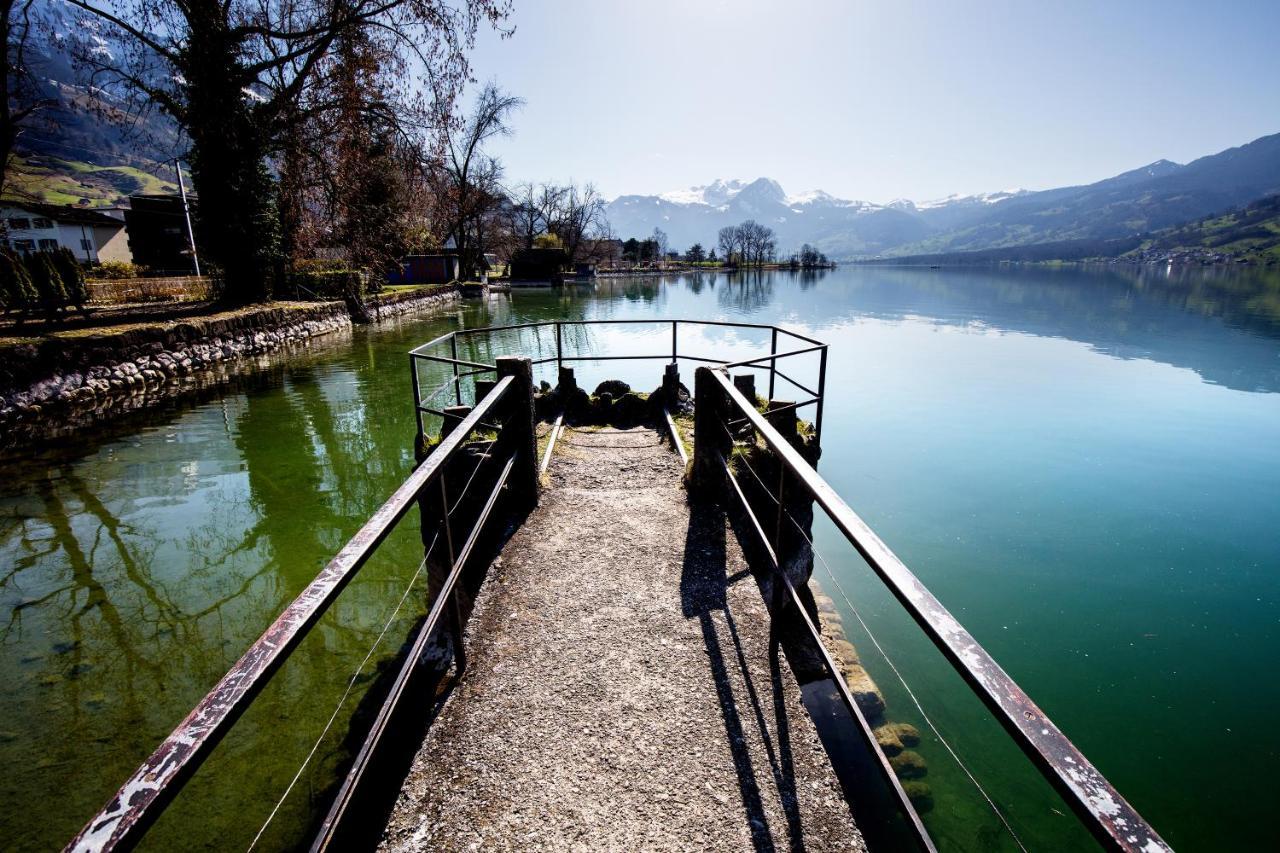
[[57, 181]]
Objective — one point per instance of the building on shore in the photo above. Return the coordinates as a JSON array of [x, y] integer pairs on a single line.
[[538, 264], [426, 269], [158, 236], [93, 236]]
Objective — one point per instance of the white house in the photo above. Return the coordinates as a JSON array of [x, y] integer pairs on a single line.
[[93, 236]]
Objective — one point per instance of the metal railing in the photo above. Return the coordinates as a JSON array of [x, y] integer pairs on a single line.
[[153, 786], [464, 369], [723, 418]]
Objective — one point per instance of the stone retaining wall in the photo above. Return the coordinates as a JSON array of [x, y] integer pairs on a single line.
[[50, 378]]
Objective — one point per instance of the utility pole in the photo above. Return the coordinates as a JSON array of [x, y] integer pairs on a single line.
[[186, 211]]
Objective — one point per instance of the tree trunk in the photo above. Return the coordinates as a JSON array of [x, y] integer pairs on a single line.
[[239, 227]]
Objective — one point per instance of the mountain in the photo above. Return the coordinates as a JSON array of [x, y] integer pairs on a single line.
[[697, 214], [1120, 208], [87, 147]]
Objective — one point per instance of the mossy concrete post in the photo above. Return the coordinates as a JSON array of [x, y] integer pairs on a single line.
[[453, 415], [519, 435], [783, 417], [566, 382], [795, 519], [710, 441], [671, 386]]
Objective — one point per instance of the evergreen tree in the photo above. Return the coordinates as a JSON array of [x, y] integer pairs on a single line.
[[72, 275], [16, 288], [47, 281]]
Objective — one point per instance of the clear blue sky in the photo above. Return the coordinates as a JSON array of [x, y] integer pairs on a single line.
[[878, 99]]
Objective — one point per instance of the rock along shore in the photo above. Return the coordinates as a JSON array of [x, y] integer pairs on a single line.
[[51, 381]]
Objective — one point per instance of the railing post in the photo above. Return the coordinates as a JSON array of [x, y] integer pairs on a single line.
[[518, 426], [709, 436], [822, 394], [457, 385], [459, 653], [559, 350], [674, 348], [773, 362], [420, 440]]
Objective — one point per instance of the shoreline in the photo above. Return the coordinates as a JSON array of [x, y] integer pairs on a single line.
[[58, 385]]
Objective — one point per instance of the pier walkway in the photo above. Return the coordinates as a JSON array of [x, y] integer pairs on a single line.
[[616, 687], [619, 692]]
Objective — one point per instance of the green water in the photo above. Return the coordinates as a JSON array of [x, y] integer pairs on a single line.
[[1083, 465]]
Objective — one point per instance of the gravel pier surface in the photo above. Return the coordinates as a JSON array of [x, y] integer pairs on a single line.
[[619, 692]]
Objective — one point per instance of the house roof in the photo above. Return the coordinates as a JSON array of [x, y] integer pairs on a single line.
[[64, 213]]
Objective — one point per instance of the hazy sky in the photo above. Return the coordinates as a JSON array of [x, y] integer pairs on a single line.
[[879, 99]]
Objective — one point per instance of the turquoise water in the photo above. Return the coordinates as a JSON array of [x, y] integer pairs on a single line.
[[1083, 465]]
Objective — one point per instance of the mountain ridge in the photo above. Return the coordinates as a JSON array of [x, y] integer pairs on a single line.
[[1158, 195]]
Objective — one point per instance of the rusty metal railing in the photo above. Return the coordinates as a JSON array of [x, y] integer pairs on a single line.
[[464, 369], [152, 787], [719, 407]]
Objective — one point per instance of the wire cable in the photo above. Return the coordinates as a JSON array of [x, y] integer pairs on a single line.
[[879, 648], [346, 693]]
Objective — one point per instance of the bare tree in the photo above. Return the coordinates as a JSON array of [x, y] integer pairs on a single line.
[[755, 243], [660, 240], [534, 207], [580, 217], [469, 187], [729, 242], [231, 73]]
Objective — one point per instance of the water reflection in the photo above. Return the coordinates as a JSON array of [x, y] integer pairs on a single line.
[[138, 563]]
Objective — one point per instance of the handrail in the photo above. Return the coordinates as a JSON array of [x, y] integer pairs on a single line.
[[1115, 823], [842, 687], [145, 795], [346, 793], [674, 355]]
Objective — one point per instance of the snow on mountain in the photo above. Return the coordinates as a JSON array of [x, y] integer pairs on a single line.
[[979, 198], [720, 192], [715, 193]]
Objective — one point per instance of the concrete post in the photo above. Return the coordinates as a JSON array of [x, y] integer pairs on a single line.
[[483, 387], [671, 386], [782, 416], [566, 383], [519, 433], [746, 385], [709, 437], [454, 415]]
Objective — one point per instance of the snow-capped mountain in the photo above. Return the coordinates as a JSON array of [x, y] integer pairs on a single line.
[[1154, 196], [845, 226]]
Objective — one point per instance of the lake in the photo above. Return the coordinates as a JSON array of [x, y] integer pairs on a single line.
[[1082, 464]]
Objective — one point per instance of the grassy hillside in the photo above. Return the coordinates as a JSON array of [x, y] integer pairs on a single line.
[[59, 181], [1251, 232]]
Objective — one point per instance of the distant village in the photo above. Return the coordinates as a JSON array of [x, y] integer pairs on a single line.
[[153, 236]]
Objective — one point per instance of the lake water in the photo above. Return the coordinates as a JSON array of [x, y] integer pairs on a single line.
[[1083, 465]]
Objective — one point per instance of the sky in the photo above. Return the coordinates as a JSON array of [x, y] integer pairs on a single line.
[[878, 99]]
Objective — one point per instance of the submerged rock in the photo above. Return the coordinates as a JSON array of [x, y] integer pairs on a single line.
[[864, 690], [919, 793], [909, 765], [908, 734], [888, 741]]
